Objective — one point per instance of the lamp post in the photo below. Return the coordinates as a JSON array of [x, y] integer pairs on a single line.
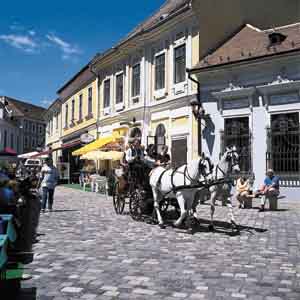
[[198, 110]]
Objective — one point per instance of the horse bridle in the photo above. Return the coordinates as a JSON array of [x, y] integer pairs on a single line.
[[201, 166], [232, 165]]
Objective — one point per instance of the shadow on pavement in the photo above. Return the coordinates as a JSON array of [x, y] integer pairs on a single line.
[[27, 294], [225, 228], [62, 210]]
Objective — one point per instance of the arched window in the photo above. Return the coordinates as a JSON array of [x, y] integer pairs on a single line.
[[160, 137]]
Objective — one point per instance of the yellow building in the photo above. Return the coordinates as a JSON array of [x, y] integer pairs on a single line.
[[79, 114], [140, 87]]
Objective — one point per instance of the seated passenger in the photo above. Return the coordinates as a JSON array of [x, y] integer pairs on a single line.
[[151, 157], [135, 159], [243, 191], [163, 158], [270, 188]]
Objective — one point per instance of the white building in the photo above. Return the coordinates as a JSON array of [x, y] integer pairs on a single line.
[[9, 131], [250, 87]]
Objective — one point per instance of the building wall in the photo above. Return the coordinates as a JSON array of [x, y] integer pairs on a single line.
[[169, 105], [76, 124], [33, 133], [13, 136], [259, 83]]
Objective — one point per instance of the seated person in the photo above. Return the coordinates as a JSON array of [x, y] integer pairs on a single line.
[[151, 157], [270, 188], [163, 158], [135, 159], [243, 191]]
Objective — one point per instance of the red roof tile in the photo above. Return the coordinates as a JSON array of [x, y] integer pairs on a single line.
[[251, 42]]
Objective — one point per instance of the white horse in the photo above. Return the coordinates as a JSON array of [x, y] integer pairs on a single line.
[[221, 185], [170, 183]]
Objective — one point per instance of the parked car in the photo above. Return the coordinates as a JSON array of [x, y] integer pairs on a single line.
[[30, 162]]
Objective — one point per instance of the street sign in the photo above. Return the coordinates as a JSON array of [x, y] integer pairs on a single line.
[[86, 138]]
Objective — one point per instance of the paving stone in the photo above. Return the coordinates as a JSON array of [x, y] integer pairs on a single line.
[[144, 292], [88, 250], [71, 289], [179, 295]]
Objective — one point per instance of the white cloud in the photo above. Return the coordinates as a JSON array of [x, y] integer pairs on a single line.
[[22, 42], [16, 27], [46, 103], [32, 32], [67, 49]]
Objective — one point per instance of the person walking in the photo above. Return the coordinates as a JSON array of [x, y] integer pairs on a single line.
[[49, 178]]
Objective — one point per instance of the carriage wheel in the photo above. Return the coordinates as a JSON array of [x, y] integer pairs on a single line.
[[118, 201], [135, 206]]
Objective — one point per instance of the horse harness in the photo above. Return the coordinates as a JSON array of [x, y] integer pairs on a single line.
[[186, 177]]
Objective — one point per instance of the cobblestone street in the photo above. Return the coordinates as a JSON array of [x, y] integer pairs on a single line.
[[88, 252]]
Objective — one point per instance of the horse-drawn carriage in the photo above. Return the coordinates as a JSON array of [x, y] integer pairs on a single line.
[[132, 188], [150, 192]]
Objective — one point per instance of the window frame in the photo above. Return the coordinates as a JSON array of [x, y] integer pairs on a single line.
[[136, 91], [80, 112], [12, 141], [118, 75], [66, 115], [175, 62], [106, 96], [90, 101], [73, 110], [56, 121], [156, 57], [5, 139]]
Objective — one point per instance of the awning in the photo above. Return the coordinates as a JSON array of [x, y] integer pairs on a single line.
[[101, 142], [101, 155], [28, 155], [64, 146], [8, 152]]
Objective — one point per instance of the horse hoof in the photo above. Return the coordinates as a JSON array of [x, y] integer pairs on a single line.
[[211, 228], [162, 226], [176, 225], [190, 231]]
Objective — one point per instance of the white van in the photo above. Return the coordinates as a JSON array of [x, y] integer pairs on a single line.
[[31, 162]]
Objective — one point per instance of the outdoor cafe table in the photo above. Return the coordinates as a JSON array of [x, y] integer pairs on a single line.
[[10, 227]]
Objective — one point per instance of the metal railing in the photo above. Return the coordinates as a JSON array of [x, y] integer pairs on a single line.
[[283, 154]]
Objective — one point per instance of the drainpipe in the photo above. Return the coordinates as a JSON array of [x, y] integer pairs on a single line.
[[198, 110]]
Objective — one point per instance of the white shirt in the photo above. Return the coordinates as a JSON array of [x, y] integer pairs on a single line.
[[50, 176], [130, 157]]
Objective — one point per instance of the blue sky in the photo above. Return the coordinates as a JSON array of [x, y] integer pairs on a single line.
[[44, 43]]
